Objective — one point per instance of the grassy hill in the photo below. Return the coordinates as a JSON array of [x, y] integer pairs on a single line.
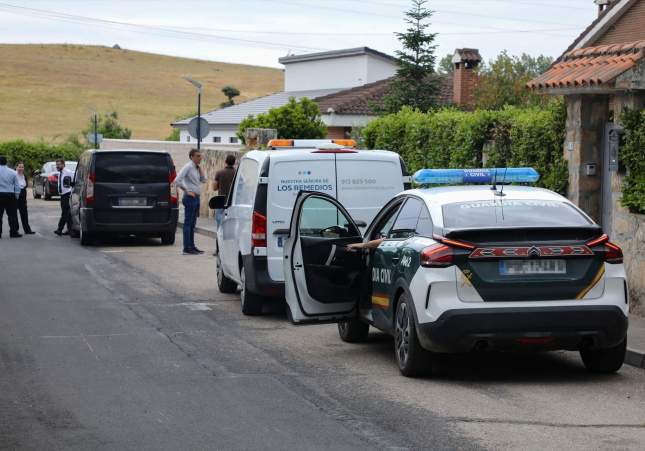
[[46, 90]]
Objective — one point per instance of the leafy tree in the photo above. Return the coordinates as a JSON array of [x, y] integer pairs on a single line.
[[173, 136], [413, 85], [445, 65], [109, 127], [503, 81], [230, 92], [297, 119]]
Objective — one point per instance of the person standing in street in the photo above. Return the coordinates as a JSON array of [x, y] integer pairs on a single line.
[[9, 193], [64, 192], [22, 200], [222, 184], [190, 179]]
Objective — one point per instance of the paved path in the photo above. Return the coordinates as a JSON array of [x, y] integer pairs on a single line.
[[129, 345]]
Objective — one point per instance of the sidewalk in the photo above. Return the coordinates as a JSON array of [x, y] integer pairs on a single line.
[[635, 335]]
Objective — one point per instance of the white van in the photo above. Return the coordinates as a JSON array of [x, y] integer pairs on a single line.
[[259, 206]]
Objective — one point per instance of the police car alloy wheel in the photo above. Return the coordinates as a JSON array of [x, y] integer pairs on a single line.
[[410, 356]]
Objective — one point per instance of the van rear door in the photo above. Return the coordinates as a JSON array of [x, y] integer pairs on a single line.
[[290, 173], [132, 187], [367, 180]]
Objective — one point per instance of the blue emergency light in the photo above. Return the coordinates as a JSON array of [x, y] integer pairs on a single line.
[[478, 175]]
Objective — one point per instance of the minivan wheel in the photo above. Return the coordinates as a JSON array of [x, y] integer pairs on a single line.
[[86, 237], [36, 195], [251, 302], [353, 330], [74, 233], [224, 284], [607, 360], [168, 238], [412, 359]]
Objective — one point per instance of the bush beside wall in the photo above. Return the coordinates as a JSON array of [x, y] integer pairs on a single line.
[[35, 154], [632, 156]]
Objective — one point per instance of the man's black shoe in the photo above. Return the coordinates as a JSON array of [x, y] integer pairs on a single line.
[[198, 250], [58, 232], [15, 235], [30, 233], [190, 252]]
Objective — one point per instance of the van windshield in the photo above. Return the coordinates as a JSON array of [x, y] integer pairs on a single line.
[[122, 167]]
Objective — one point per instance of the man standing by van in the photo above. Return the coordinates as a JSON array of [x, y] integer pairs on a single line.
[[9, 193], [65, 177], [222, 184], [189, 180]]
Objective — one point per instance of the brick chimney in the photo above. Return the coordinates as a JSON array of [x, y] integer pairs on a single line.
[[465, 78]]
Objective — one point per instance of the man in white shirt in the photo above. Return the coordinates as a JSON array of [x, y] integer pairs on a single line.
[[64, 192], [190, 179], [9, 193]]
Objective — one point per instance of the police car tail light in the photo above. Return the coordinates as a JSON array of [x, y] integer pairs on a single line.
[[437, 256], [89, 188], [611, 252], [477, 175], [259, 230], [174, 198]]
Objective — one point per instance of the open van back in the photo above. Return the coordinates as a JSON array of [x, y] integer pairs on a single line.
[[363, 181]]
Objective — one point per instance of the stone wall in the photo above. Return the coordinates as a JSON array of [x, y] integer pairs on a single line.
[[213, 158]]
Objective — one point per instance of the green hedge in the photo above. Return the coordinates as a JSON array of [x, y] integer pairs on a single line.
[[35, 154], [458, 139], [632, 156]]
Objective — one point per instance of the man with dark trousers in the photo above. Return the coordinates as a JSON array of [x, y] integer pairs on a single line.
[[9, 193], [64, 192]]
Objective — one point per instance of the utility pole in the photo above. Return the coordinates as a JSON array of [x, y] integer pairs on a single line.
[[96, 131], [197, 85]]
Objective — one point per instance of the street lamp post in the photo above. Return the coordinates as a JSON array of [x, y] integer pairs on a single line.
[[197, 85]]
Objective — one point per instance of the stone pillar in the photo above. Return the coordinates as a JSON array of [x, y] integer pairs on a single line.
[[586, 118]]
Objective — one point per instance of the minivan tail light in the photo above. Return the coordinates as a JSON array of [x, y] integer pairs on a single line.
[[89, 188], [612, 253], [258, 230], [437, 256], [174, 197], [53, 178]]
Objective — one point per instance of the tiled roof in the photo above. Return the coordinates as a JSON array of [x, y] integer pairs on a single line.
[[466, 55], [362, 99], [590, 66]]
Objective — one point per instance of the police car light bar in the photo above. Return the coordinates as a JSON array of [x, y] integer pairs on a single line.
[[469, 176]]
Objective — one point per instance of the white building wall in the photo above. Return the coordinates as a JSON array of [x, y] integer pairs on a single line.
[[379, 69], [227, 134], [344, 72]]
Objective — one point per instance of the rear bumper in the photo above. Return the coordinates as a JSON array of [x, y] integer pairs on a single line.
[[546, 328], [91, 225], [258, 279]]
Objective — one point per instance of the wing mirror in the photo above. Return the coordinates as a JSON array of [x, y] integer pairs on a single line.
[[360, 223], [217, 203]]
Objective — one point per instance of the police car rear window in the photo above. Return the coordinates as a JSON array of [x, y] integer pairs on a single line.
[[512, 213], [125, 167]]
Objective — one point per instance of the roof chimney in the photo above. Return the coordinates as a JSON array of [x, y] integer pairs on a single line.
[[602, 5], [464, 77]]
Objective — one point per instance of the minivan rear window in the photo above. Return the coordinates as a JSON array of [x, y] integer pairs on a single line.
[[512, 213], [122, 167]]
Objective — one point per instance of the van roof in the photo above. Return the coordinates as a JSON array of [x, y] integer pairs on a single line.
[[287, 154]]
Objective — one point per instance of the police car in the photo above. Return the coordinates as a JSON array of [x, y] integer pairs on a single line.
[[461, 268]]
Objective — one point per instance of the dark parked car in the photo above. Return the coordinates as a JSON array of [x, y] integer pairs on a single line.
[[45, 180], [124, 192]]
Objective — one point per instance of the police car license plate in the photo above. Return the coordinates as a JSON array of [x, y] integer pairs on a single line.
[[133, 202], [524, 267]]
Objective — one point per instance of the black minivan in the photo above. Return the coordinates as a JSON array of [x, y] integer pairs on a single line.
[[124, 192]]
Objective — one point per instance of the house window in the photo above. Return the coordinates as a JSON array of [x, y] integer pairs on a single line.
[[233, 140], [217, 139]]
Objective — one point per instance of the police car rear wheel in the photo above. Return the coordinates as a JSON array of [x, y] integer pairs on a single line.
[[410, 356], [353, 330], [604, 360]]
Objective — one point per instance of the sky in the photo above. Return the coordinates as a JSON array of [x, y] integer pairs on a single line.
[[258, 32]]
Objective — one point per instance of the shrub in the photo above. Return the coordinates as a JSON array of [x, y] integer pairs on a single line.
[[35, 154], [452, 138], [632, 156]]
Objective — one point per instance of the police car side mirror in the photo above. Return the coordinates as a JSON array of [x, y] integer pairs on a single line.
[[67, 181], [217, 203]]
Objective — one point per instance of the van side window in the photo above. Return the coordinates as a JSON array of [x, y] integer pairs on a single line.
[[406, 223], [424, 226], [246, 182]]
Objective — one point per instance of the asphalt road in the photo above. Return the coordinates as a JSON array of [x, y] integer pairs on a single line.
[[129, 345]]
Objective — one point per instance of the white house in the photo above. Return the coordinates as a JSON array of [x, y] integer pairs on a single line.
[[314, 75]]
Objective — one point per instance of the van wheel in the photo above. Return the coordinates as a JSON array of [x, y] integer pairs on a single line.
[[36, 195], [412, 359], [604, 360], [353, 330], [74, 233], [86, 238], [224, 284], [168, 238], [251, 302]]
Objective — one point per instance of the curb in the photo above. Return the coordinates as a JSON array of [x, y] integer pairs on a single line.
[[201, 230], [635, 358]]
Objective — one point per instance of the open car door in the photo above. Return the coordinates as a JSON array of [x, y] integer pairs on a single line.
[[323, 279]]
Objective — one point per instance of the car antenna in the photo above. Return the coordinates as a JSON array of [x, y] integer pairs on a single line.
[[501, 192]]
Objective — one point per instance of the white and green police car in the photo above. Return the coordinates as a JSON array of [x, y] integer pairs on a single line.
[[462, 268]]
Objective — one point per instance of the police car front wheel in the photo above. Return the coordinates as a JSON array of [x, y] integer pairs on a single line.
[[412, 359]]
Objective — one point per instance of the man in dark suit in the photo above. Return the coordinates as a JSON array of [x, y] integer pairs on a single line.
[[9, 193]]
